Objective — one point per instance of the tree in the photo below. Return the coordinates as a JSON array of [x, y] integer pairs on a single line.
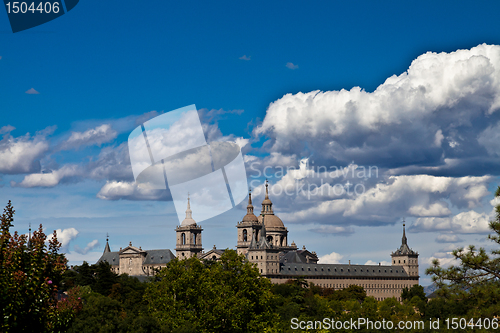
[[227, 295], [475, 281], [415, 290], [30, 272]]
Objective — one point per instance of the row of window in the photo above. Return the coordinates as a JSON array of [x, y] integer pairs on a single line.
[[366, 286], [273, 257], [342, 270]]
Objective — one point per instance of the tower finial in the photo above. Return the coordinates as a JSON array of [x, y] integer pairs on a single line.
[[404, 240], [267, 192]]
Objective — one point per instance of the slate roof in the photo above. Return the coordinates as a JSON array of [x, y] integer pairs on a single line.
[[294, 257], [153, 257], [342, 270], [110, 257], [298, 256], [162, 256]]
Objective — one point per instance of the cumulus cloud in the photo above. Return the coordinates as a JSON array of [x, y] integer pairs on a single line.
[[332, 258], [469, 222], [94, 136], [115, 190], [436, 110], [448, 238], [32, 91], [90, 246], [22, 154], [112, 163], [291, 65], [65, 236], [383, 203], [50, 178], [6, 129], [245, 57]]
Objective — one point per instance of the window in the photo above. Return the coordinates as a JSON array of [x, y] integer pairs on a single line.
[[183, 239], [245, 235]]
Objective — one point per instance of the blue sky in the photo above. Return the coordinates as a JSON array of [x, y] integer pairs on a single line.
[[98, 69]]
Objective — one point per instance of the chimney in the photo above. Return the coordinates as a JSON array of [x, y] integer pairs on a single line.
[[349, 262]]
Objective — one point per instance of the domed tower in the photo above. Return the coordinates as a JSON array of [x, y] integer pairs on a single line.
[[276, 232], [406, 257], [248, 228], [188, 236]]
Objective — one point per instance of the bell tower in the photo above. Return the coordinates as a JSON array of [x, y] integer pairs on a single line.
[[406, 257], [188, 234], [248, 228]]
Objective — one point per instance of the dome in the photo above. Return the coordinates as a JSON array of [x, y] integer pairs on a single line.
[[250, 218], [187, 221], [272, 221], [267, 201]]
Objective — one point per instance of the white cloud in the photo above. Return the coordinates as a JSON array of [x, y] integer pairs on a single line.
[[90, 246], [469, 222], [94, 136], [6, 129], [115, 190], [448, 238], [22, 154], [417, 195], [291, 65], [244, 57], [332, 258], [32, 91], [65, 236], [50, 179], [433, 111]]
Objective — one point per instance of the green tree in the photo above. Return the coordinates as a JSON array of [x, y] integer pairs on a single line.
[[30, 272], [472, 287], [227, 295], [415, 290]]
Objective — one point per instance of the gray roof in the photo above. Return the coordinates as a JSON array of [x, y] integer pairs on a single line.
[[153, 257], [158, 257], [298, 257], [293, 257], [342, 270], [110, 257]]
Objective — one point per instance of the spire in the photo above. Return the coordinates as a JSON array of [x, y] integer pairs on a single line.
[[267, 192], [250, 206], [106, 248], [189, 215], [189, 212], [267, 205], [404, 240]]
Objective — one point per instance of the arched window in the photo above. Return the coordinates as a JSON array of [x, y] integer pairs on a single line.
[[244, 235], [194, 239], [183, 239], [270, 239]]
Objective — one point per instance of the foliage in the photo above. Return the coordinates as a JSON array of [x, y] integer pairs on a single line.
[[416, 290], [30, 273], [473, 284], [227, 295]]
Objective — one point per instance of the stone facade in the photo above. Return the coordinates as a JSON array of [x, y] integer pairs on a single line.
[[263, 240]]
